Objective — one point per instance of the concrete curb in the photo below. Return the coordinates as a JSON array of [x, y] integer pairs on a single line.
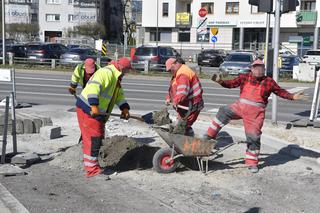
[[9, 203]]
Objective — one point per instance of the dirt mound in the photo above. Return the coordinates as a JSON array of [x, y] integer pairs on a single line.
[[123, 154], [161, 117]]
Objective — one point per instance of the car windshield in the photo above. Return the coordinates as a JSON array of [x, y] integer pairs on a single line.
[[313, 53], [144, 51], [34, 47], [239, 57]]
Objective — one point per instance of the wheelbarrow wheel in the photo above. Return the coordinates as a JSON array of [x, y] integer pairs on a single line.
[[162, 163]]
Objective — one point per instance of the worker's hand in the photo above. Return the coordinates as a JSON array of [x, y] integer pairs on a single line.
[[94, 111], [72, 90], [167, 102], [125, 114], [300, 96], [217, 78]]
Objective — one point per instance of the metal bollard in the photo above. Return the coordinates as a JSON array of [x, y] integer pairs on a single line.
[[10, 56], [5, 131], [99, 61], [53, 63]]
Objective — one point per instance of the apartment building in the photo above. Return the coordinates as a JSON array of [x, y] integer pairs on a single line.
[[57, 16], [239, 25]]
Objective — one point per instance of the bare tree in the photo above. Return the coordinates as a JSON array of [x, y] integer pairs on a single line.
[[22, 31], [129, 25], [92, 30]]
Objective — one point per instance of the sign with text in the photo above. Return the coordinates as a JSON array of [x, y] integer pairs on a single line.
[[5, 75], [17, 13]]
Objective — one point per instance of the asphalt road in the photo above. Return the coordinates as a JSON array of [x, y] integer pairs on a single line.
[[143, 93]]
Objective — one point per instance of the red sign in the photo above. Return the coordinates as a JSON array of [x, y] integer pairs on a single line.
[[203, 12]]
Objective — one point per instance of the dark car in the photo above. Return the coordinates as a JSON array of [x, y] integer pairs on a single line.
[[156, 56], [237, 63], [287, 63], [78, 55], [46, 51], [211, 57], [18, 50]]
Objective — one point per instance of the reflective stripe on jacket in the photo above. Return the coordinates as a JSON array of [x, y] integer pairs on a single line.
[[79, 75], [100, 89], [184, 87]]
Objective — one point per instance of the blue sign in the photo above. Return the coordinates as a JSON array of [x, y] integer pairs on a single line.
[[214, 39]]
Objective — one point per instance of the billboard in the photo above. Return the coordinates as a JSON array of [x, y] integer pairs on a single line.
[[17, 14]]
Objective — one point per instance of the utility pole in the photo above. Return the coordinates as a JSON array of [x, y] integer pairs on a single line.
[[3, 33], [267, 42], [275, 58], [157, 30]]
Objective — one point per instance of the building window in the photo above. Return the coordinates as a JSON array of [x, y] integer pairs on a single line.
[[34, 17], [184, 35], [165, 9], [188, 8], [254, 9], [70, 18], [53, 1], [232, 7], [164, 35], [209, 6], [308, 5], [52, 17]]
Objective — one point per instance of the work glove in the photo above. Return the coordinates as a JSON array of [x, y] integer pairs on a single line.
[[94, 111], [217, 78], [72, 90], [300, 96], [125, 114]]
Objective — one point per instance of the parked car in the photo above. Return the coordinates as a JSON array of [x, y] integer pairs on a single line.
[[18, 50], [312, 57], [78, 55], [211, 57], [46, 51], [237, 63], [288, 61], [156, 56]]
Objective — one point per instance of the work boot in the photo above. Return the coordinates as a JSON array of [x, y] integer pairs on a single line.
[[189, 132], [253, 169]]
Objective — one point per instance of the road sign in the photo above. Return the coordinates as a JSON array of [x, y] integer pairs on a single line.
[[214, 31], [202, 23], [202, 30], [5, 75], [203, 12], [104, 49], [214, 39]]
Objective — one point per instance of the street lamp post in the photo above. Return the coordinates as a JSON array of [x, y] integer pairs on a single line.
[[3, 34], [157, 30]]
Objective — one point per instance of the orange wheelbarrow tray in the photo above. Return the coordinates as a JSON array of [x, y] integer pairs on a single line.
[[165, 160]]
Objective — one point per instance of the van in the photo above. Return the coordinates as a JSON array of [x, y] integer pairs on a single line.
[[312, 57]]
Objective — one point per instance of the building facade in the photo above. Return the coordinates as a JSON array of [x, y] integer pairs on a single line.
[[239, 25]]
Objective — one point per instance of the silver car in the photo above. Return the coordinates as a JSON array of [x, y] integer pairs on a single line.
[[237, 63]]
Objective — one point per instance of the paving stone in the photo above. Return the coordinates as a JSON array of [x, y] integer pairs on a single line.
[[9, 170], [37, 124], [316, 124], [28, 126], [46, 121], [19, 126], [50, 132], [25, 159]]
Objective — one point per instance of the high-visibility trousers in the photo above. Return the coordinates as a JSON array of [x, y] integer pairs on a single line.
[[253, 118], [92, 132]]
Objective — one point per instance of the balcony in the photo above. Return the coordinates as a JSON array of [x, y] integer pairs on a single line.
[[183, 19], [306, 18]]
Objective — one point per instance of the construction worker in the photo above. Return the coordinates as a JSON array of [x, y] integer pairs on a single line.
[[82, 74], [185, 93], [255, 89], [94, 105]]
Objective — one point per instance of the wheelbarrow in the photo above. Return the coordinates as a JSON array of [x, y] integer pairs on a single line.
[[166, 160]]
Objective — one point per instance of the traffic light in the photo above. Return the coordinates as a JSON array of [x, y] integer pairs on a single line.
[[263, 5], [289, 5]]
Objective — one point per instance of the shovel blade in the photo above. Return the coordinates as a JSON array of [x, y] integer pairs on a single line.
[[148, 118]]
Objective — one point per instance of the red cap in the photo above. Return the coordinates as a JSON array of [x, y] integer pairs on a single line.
[[89, 65], [169, 63], [257, 63], [125, 62]]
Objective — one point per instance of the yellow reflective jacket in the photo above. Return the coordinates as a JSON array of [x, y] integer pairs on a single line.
[[104, 90], [78, 76]]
